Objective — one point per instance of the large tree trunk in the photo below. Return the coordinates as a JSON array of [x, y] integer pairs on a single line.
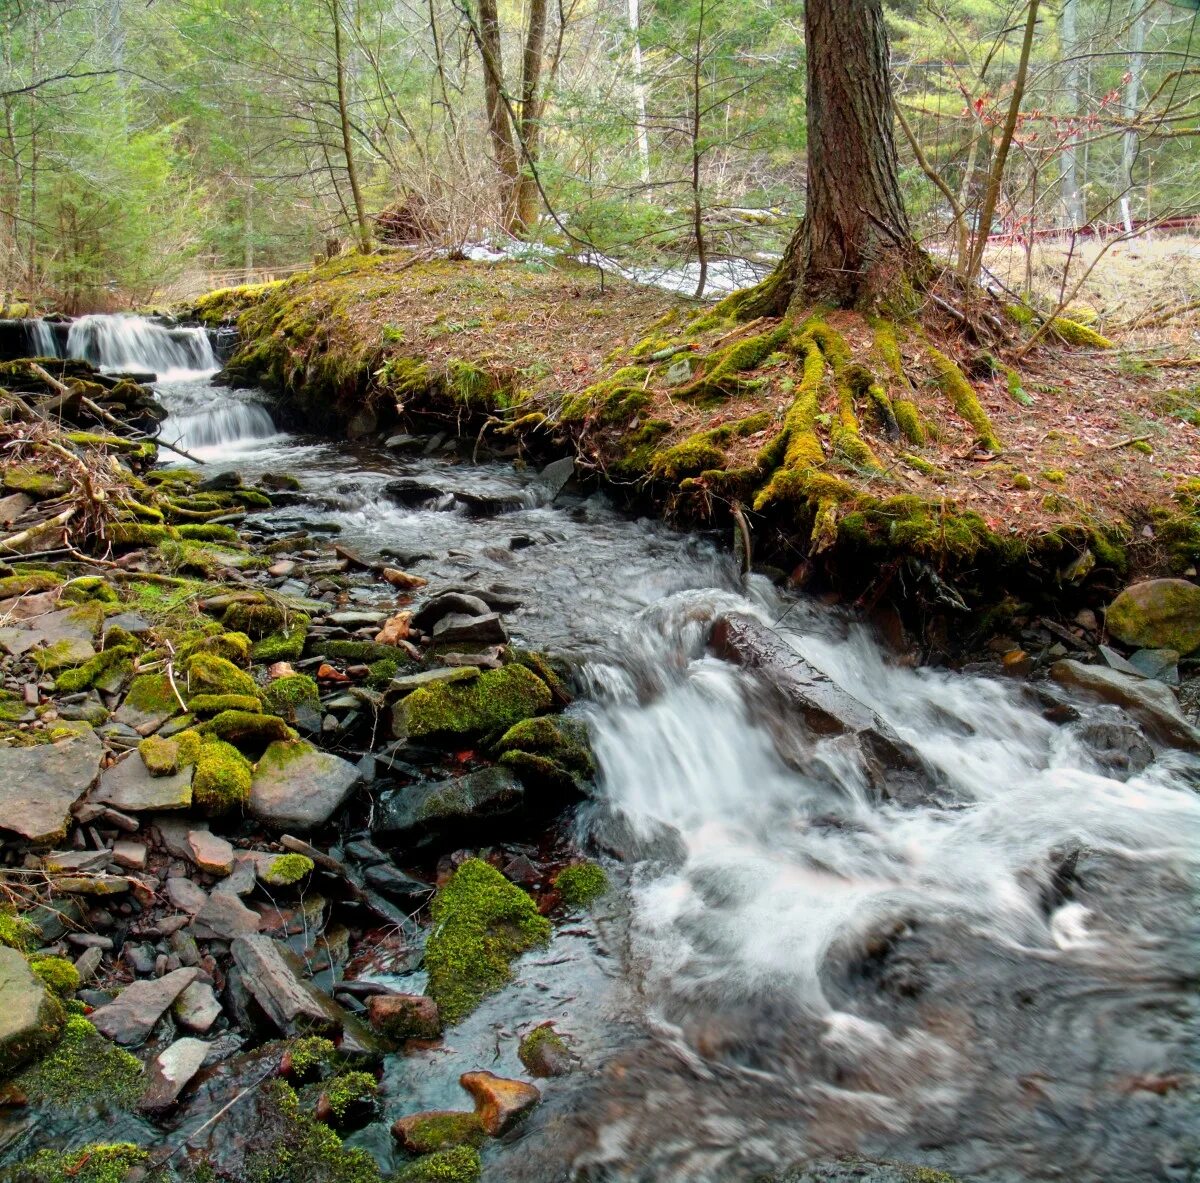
[[499, 126], [528, 194], [854, 241]]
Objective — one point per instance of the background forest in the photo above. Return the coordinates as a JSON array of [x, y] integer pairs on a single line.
[[152, 148]]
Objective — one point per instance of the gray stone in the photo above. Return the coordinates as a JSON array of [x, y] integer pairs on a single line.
[[457, 629], [556, 474], [297, 786], [479, 798], [12, 507], [129, 786], [357, 618], [243, 877], [30, 1019], [197, 1008], [131, 1016], [88, 962], [170, 1073], [1151, 703], [1115, 661], [131, 855], [183, 945], [406, 683], [17, 640], [447, 604], [223, 917], [131, 622], [39, 784], [139, 957], [272, 973], [186, 895], [75, 860], [223, 1048], [173, 833], [1160, 664]]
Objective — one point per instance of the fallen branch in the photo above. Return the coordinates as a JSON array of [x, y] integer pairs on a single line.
[[1133, 439], [14, 542]]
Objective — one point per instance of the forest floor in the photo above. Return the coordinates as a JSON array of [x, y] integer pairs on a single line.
[[1100, 458]]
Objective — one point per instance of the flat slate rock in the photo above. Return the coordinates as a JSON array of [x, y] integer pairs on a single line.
[[131, 1016], [297, 786], [407, 683], [222, 917], [457, 629], [129, 785], [272, 973], [197, 1007], [39, 784], [478, 798]]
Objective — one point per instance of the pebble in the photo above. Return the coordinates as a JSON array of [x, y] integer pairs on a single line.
[[131, 855], [90, 940]]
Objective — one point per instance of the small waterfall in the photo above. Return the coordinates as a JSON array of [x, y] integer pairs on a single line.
[[135, 343], [43, 342], [210, 421]]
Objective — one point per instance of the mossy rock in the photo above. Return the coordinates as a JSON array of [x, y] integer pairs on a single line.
[[286, 870], [90, 587], [461, 1164], [256, 618], [1157, 614], [496, 699], [581, 884], [427, 1133], [84, 1069], [291, 694], [215, 704], [481, 922], [544, 1052], [108, 1163], [59, 974], [209, 674], [160, 756], [285, 644], [31, 1016], [234, 647], [151, 694], [222, 779], [548, 753], [28, 585], [248, 729], [33, 481], [85, 676]]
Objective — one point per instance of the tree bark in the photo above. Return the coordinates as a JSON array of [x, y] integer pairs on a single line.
[[854, 241], [528, 197], [499, 127]]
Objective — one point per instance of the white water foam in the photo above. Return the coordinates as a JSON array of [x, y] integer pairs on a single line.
[[42, 339], [135, 343]]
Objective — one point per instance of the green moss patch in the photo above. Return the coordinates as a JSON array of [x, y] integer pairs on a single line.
[[286, 643], [459, 1165], [97, 1163], [83, 1069], [481, 922], [209, 674], [581, 884], [430, 1132], [496, 699], [222, 779]]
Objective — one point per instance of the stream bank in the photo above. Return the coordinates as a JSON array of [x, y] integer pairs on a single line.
[[854, 907]]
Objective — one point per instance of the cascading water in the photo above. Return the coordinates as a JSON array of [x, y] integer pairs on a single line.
[[42, 339], [135, 343]]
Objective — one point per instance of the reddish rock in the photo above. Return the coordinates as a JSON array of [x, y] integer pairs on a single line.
[[499, 1102], [404, 1016]]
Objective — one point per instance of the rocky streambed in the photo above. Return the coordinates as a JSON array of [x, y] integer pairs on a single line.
[[373, 812]]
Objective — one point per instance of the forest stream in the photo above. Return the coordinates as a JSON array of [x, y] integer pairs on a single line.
[[991, 970]]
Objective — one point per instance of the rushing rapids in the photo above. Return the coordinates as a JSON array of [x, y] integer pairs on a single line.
[[997, 978]]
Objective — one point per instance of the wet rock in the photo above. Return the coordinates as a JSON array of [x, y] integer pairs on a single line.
[[458, 629], [170, 1073], [402, 579], [451, 806], [895, 769], [395, 884], [210, 852], [437, 1130], [446, 604], [30, 1018], [1151, 703], [223, 917], [131, 1016], [1157, 614], [499, 1102], [39, 784], [298, 787], [128, 785], [411, 491], [1115, 661], [404, 1016], [272, 974], [544, 1053], [556, 474], [1117, 746]]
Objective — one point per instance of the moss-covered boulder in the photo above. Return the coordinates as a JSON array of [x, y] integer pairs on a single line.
[[248, 730], [295, 698], [222, 779], [581, 884], [461, 1164], [1157, 614], [31, 1017], [495, 700], [209, 674], [548, 753], [481, 922], [256, 618], [98, 1163], [83, 1069], [438, 1129], [285, 643], [298, 787]]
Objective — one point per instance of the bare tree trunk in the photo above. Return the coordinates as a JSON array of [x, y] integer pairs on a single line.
[[1072, 198], [528, 197], [360, 212], [854, 241], [639, 90], [1133, 89], [499, 125], [697, 157]]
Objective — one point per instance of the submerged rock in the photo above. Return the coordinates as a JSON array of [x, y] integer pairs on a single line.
[[1157, 614], [39, 784]]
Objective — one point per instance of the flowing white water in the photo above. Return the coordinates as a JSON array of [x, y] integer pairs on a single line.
[[42, 340], [135, 343]]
